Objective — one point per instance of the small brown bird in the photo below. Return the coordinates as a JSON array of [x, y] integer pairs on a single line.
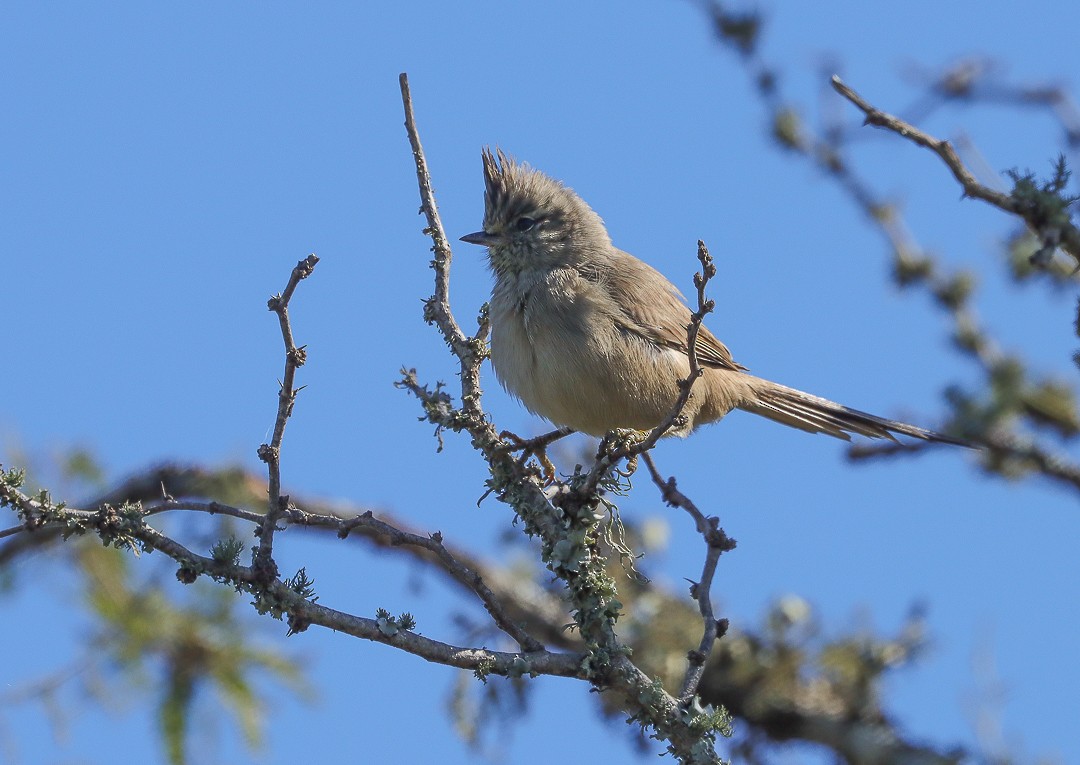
[[592, 338]]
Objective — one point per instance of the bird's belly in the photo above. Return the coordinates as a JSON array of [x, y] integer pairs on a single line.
[[595, 383]]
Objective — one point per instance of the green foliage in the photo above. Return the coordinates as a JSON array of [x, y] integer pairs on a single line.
[[704, 722], [13, 478], [711, 720], [483, 669], [227, 551], [1011, 392], [910, 269], [115, 524], [302, 586], [1044, 206], [953, 292]]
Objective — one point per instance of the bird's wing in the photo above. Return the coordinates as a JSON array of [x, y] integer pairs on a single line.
[[651, 310]]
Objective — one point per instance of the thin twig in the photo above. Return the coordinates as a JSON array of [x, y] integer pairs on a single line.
[[470, 351], [211, 508], [439, 304], [155, 508], [717, 542], [263, 555], [705, 306], [997, 447]]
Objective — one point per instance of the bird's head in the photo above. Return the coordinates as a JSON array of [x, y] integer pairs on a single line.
[[534, 222]]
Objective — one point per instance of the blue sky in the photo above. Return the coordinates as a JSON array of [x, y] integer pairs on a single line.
[[164, 166]]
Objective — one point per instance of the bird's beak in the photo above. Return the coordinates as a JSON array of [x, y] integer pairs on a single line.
[[482, 238]]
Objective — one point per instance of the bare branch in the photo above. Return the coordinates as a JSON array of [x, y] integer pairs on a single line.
[[263, 555], [982, 416], [717, 543], [1024, 454], [211, 508], [438, 306]]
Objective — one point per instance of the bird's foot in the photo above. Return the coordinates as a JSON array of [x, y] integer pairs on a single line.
[[622, 440], [537, 447]]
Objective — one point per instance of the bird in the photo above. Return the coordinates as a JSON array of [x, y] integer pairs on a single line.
[[594, 339]]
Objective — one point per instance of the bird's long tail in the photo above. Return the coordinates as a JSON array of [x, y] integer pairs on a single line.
[[819, 415]]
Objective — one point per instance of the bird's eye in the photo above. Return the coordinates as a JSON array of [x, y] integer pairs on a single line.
[[524, 224]]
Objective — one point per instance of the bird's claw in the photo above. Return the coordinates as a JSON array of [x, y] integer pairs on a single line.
[[623, 440], [535, 447]]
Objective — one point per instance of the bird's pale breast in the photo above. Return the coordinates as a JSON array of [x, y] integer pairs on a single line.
[[590, 380]]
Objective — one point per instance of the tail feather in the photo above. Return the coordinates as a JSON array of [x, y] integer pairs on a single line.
[[819, 415]]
